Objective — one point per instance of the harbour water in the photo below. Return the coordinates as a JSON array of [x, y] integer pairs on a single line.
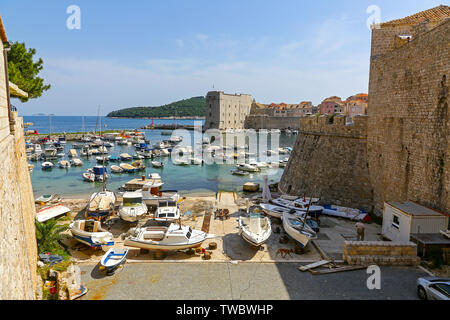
[[192, 179]]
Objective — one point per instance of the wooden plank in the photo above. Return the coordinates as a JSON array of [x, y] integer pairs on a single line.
[[445, 233], [313, 265], [343, 269]]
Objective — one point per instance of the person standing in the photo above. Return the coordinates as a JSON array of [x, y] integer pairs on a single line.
[[360, 228]]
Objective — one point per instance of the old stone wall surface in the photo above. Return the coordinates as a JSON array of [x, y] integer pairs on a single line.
[[271, 122], [380, 253], [408, 126], [330, 161], [18, 258]]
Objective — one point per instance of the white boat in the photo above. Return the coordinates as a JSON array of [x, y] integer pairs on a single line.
[[239, 173], [102, 159], [113, 258], [176, 139], [255, 229], [298, 205], [167, 211], [91, 233], [89, 176], [101, 204], [48, 213], [72, 153], [137, 156], [347, 213], [152, 193], [174, 237], [132, 207], [277, 211], [154, 176], [76, 162], [196, 161], [248, 167], [157, 164], [181, 162], [64, 164], [46, 165], [122, 142], [298, 230], [116, 169], [60, 155], [128, 167], [125, 157], [103, 149]]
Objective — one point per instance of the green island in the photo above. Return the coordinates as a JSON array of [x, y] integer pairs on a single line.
[[193, 107]]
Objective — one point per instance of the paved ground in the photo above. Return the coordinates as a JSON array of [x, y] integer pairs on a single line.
[[225, 281]]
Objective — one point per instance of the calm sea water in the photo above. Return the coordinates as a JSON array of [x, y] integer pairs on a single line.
[[204, 179]]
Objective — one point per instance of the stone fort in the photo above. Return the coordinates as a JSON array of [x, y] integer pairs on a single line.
[[400, 150]]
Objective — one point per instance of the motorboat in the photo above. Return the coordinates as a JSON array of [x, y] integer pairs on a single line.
[[239, 173], [114, 159], [248, 167], [64, 164], [77, 145], [154, 176], [76, 162], [146, 154], [196, 161], [128, 168], [167, 211], [298, 205], [46, 165], [88, 176], [44, 198], [125, 157], [72, 153], [102, 159], [122, 142], [85, 151], [132, 207], [176, 139], [50, 152], [297, 229], [173, 237], [116, 169], [157, 164], [113, 258], [139, 165], [100, 173], [255, 229], [181, 162], [60, 155], [102, 149], [137, 156], [48, 213], [101, 204], [91, 233]]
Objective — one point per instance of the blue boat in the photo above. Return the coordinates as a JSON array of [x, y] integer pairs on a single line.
[[113, 258]]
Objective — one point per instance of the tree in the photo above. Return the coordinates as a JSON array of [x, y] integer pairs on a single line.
[[23, 71], [48, 234]]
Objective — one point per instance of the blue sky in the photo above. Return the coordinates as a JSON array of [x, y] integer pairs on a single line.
[[134, 53]]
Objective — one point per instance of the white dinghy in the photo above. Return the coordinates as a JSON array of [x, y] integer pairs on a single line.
[[255, 229], [174, 237], [91, 233], [51, 212], [298, 230], [113, 258]]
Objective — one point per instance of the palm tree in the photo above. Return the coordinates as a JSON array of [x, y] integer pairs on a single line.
[[48, 234]]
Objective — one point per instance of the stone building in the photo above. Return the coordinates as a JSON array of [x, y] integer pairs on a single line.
[[401, 151], [226, 111], [331, 105], [18, 258], [356, 105]]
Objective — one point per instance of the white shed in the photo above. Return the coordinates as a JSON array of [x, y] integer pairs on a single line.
[[400, 220]]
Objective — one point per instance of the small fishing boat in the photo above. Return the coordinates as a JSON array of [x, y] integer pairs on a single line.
[[196, 161], [255, 229], [125, 157], [347, 213], [139, 165], [60, 155], [101, 204], [116, 169], [174, 237], [297, 229], [128, 168], [239, 173], [102, 159], [46, 165], [154, 176], [132, 207], [48, 213], [89, 176], [72, 153], [181, 162], [91, 233], [64, 164], [167, 211], [248, 167], [76, 162], [298, 205], [113, 258], [157, 164], [44, 198], [277, 211], [114, 159], [137, 156]]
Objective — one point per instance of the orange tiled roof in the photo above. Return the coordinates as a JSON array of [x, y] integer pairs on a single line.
[[436, 14]]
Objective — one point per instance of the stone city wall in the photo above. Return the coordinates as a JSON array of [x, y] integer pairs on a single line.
[[330, 161], [18, 258], [271, 122]]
